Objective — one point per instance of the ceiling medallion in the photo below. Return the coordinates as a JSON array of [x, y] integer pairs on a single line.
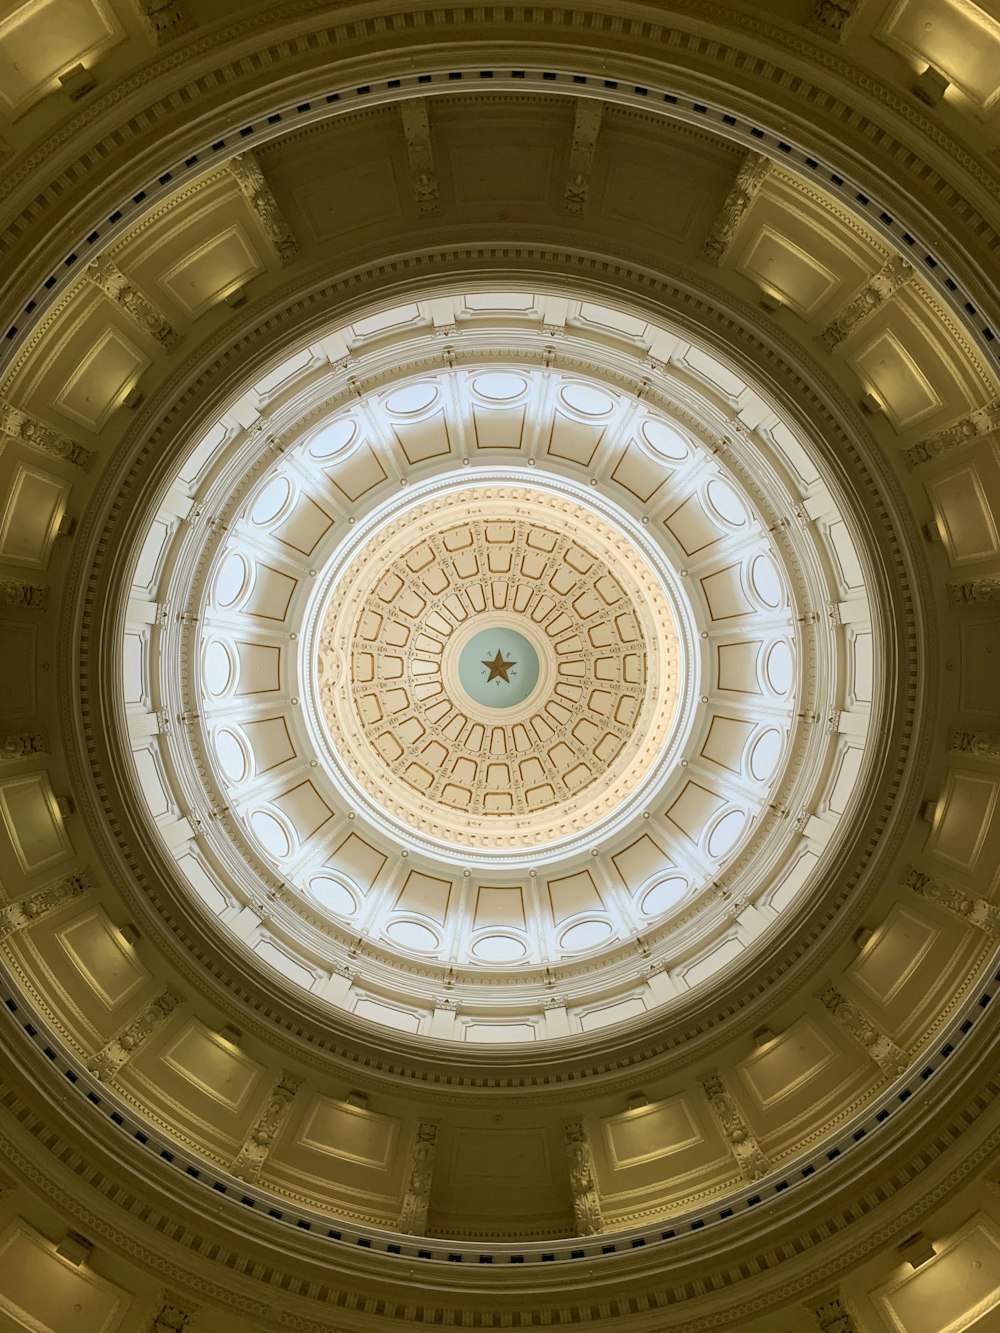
[[498, 666]]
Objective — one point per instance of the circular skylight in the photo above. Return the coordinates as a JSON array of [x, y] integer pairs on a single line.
[[501, 680]]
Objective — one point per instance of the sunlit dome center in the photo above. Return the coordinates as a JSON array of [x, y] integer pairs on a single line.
[[502, 678], [498, 666]]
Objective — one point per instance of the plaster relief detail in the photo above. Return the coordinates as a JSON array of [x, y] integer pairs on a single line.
[[417, 1199], [986, 588], [251, 1157], [23, 745], [417, 132], [587, 1216], [889, 1057], [121, 1048], [105, 274], [17, 915], [26, 429], [983, 744], [174, 1315], [15, 593], [977, 911], [250, 178], [881, 287], [831, 1317], [586, 127], [833, 18], [749, 1155], [749, 179], [165, 19], [976, 424]]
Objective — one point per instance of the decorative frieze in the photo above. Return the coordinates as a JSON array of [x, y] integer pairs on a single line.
[[976, 424], [121, 1048], [985, 588], [831, 1317], [417, 133], [23, 745], [26, 429], [586, 127], [833, 18], [889, 1057], [750, 1157], [587, 1216], [249, 177], [983, 744], [251, 1157], [17, 915], [15, 593], [880, 287], [748, 181], [976, 911], [417, 1199], [105, 274]]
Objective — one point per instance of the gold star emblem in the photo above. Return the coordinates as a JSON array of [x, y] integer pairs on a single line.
[[498, 668]]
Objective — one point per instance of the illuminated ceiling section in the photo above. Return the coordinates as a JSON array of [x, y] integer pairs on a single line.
[[361, 575]]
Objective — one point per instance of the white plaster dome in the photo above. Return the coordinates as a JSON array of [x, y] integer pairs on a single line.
[[631, 827], [475, 568]]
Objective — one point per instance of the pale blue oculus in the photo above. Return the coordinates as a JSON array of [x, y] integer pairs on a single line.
[[498, 668]]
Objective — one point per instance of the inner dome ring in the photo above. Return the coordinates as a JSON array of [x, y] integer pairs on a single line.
[[444, 557]]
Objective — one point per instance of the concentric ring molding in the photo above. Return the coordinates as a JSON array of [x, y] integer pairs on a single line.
[[749, 793], [403, 1045]]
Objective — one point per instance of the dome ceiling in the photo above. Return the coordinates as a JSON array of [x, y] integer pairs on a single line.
[[671, 782], [515, 544]]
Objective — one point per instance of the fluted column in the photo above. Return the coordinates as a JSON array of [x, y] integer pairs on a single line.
[[257, 1145], [587, 1215], [750, 1157], [889, 1057], [417, 1198]]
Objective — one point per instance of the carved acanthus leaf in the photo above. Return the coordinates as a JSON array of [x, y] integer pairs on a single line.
[[17, 915], [122, 1047], [749, 179], [587, 1214], [586, 127], [881, 287], [250, 178], [419, 151], [251, 1157], [26, 429], [750, 1157], [105, 274], [417, 1199], [889, 1057], [977, 424]]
